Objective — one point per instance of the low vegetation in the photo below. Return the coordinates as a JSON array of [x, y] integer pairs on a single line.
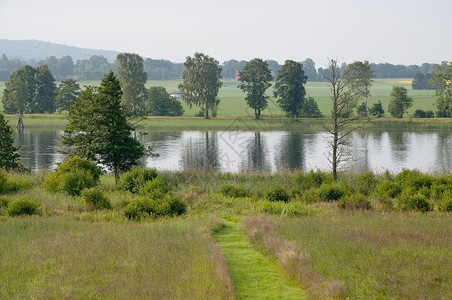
[[366, 236]]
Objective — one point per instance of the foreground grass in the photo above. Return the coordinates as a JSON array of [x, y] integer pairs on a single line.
[[401, 256], [253, 276], [63, 258]]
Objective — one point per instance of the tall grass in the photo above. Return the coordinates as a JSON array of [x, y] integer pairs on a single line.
[[61, 258], [401, 256]]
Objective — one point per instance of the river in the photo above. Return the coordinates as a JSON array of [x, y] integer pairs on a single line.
[[265, 151]]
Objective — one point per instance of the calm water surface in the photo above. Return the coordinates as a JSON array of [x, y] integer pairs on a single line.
[[244, 151]]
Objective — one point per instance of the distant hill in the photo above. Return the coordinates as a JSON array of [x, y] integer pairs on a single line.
[[37, 50]]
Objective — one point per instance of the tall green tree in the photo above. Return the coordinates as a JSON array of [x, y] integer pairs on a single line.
[[343, 96], [289, 87], [44, 100], [9, 157], [19, 91], [359, 77], [400, 102], [132, 78], [442, 79], [201, 82], [98, 129], [254, 81], [67, 92]]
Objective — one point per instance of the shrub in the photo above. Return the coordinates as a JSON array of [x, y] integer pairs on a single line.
[[419, 113], [332, 192], [72, 176], [23, 206], [446, 203], [3, 205], [136, 178], [277, 193], [234, 191], [95, 199], [77, 163], [365, 183], [73, 183], [154, 188], [386, 191], [355, 201], [409, 199], [414, 178], [154, 207], [8, 184], [313, 179]]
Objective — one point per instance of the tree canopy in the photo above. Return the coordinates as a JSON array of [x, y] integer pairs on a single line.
[[9, 157], [201, 82], [159, 103], [132, 78], [359, 77], [442, 79], [254, 81], [400, 102], [289, 87], [67, 92], [98, 129]]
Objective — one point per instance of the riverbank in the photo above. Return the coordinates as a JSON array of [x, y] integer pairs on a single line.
[[267, 123]]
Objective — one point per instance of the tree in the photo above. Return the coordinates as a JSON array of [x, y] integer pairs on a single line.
[[377, 110], [67, 92], [343, 96], [44, 100], [98, 129], [19, 91], [9, 158], [400, 102], [309, 69], [442, 79], [201, 82], [159, 103], [254, 81], [359, 77], [310, 109], [132, 78], [290, 88]]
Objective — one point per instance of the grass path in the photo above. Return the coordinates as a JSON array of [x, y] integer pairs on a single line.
[[253, 275]]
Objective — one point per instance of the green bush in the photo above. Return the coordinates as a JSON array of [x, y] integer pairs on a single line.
[[3, 205], [72, 176], [355, 201], [154, 188], [446, 203], [410, 199], [312, 179], [365, 183], [233, 191], [414, 178], [95, 199], [332, 191], [8, 184], [77, 163], [23, 206], [277, 193], [136, 178], [73, 183], [154, 207], [386, 191]]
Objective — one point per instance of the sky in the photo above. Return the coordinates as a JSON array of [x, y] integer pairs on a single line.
[[384, 31]]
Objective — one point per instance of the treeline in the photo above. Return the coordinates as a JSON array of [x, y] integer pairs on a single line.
[[96, 66]]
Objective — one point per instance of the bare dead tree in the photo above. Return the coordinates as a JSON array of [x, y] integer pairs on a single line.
[[343, 101]]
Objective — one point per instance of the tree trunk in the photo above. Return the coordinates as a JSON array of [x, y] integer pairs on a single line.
[[207, 110], [334, 163], [116, 174], [367, 109], [20, 123]]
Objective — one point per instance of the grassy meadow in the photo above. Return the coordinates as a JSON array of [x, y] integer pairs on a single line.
[[230, 235]]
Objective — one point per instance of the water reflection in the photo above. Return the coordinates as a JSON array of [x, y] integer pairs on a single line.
[[245, 151]]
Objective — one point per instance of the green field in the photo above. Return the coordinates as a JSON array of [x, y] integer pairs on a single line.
[[232, 103], [226, 246]]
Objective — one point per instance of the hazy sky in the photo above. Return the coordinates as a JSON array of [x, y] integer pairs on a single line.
[[393, 31]]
